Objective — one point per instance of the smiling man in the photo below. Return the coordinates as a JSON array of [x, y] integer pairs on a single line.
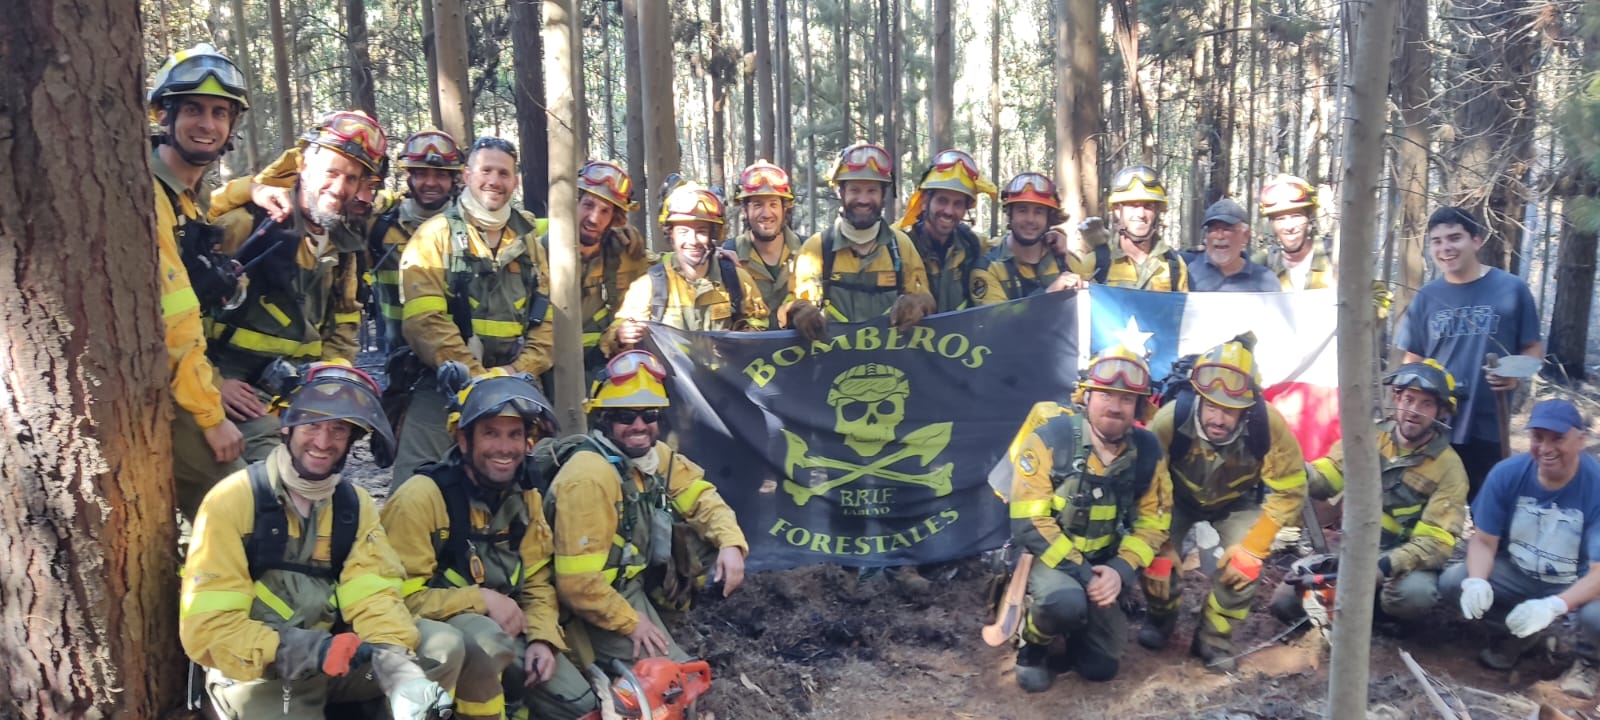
[[1137, 257], [1031, 258], [767, 248], [475, 286], [432, 163], [1534, 555], [1224, 267], [936, 219], [1298, 257], [1470, 309]]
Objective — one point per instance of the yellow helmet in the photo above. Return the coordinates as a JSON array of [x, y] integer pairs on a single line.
[[200, 70], [862, 161], [1227, 374], [1136, 183], [1287, 193], [764, 178], [632, 379], [1118, 369], [952, 170], [1428, 376], [609, 182]]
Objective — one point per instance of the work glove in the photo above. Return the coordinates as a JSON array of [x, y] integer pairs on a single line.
[[1476, 597], [303, 653], [1240, 567], [806, 318], [1385, 566], [1093, 233], [1382, 298], [1158, 579], [1531, 616], [412, 696], [909, 309]]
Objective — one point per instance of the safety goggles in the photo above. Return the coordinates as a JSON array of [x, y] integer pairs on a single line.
[[1424, 379], [859, 157], [625, 366], [1125, 178], [1120, 373], [764, 178], [1030, 182], [431, 148], [331, 371], [351, 133], [626, 416], [606, 175], [1230, 380], [191, 73], [954, 159]]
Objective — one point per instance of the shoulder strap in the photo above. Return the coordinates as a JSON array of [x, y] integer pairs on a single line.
[[346, 516], [1148, 449], [1182, 421], [457, 507], [380, 230], [1174, 263], [887, 236], [1013, 279], [974, 249], [269, 537], [830, 236], [658, 290], [731, 285], [1102, 263], [1258, 428]]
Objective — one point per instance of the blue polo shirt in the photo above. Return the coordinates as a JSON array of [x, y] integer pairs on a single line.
[[1205, 277]]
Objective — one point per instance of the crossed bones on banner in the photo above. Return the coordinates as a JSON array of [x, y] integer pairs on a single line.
[[924, 444]]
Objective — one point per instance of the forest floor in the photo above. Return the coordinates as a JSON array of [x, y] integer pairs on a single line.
[[817, 643]]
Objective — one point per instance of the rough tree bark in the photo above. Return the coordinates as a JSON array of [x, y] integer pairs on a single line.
[[528, 88], [87, 600], [563, 45], [633, 85], [747, 66], [994, 114], [661, 125], [767, 138], [783, 70], [888, 42], [1580, 188], [455, 94], [280, 71], [942, 90], [362, 90], [241, 38], [430, 56], [721, 70], [1374, 25], [1077, 62], [811, 118], [1125, 15], [841, 36], [1411, 92]]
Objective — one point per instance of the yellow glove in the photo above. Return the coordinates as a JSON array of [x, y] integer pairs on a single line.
[[1382, 298]]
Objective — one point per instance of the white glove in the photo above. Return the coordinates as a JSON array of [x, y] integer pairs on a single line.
[[1534, 615], [420, 699], [1476, 597]]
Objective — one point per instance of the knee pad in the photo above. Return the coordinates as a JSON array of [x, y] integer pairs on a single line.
[[1062, 612], [1097, 667]]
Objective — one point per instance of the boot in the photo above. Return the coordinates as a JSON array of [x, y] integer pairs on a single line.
[[1505, 653], [1033, 668], [1157, 629], [1216, 651], [1579, 680]]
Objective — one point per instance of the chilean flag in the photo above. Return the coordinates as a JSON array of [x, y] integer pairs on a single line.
[[1296, 349]]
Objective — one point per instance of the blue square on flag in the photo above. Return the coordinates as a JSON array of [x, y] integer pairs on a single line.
[[1145, 322]]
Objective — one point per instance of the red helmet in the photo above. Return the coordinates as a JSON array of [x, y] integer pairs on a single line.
[[1287, 193], [764, 178]]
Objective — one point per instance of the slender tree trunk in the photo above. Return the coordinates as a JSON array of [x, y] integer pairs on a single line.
[[562, 45], [661, 125], [721, 71], [767, 139], [362, 90], [1374, 24], [455, 94], [842, 61], [1078, 101], [994, 114], [1125, 16], [430, 55], [1411, 95], [633, 84], [751, 75], [280, 70], [533, 126], [241, 37], [942, 92], [87, 600], [811, 118], [300, 45], [1580, 187], [610, 83], [783, 66]]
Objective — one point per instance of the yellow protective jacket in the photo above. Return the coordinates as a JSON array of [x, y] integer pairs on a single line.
[[685, 304], [194, 380], [1424, 498], [858, 287], [951, 267], [387, 235], [1322, 275], [620, 259], [1091, 513], [1001, 276], [1211, 482], [439, 587], [1155, 273], [774, 282], [505, 288], [603, 531], [227, 620]]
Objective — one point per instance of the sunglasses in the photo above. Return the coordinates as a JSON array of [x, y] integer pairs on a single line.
[[1232, 381], [1142, 173], [628, 416], [1120, 372]]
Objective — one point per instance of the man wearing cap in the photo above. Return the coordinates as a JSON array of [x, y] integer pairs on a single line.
[[613, 252], [1224, 267], [1136, 256], [935, 219], [859, 267], [1030, 259], [1536, 550], [767, 248], [307, 285]]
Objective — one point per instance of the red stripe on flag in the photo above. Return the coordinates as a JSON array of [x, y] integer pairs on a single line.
[[1312, 412]]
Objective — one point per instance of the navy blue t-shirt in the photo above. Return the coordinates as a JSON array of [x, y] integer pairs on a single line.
[[1552, 535], [1458, 324]]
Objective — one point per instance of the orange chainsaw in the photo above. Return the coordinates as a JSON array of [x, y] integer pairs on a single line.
[[654, 689]]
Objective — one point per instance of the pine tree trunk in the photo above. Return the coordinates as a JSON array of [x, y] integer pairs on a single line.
[[610, 82], [633, 85], [841, 38], [811, 118], [528, 91], [887, 41], [941, 93], [562, 44], [721, 71], [1575, 269], [455, 94], [1078, 106], [1125, 15], [747, 70], [783, 67], [241, 36], [362, 90], [660, 117], [88, 613], [1411, 95], [281, 79], [430, 55], [994, 115], [767, 140]]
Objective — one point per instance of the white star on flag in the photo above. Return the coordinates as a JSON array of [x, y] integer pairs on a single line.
[[1133, 339]]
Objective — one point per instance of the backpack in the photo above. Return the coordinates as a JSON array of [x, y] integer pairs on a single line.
[[830, 237], [461, 274], [268, 542], [1061, 431], [1102, 264], [658, 288], [211, 276], [457, 496], [551, 453], [1257, 428]]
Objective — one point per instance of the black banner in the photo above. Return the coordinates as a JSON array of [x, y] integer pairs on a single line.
[[872, 448]]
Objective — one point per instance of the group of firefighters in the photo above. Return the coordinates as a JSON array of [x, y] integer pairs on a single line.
[[513, 552]]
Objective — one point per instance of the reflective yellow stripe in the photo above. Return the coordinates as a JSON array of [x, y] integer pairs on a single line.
[[349, 317], [1287, 482], [1139, 548], [364, 587], [497, 328], [392, 312], [213, 601], [277, 314], [1331, 473], [1060, 548], [521, 302], [456, 579], [1058, 503], [549, 312], [247, 339], [1434, 531], [610, 575], [759, 324], [425, 304], [831, 310], [493, 707], [600, 315], [685, 500], [179, 301], [389, 277], [413, 586], [537, 567], [1390, 525], [1218, 617], [1089, 545], [1405, 511], [629, 573], [516, 575], [591, 339], [271, 600], [1030, 509], [579, 564], [1103, 512], [1154, 521]]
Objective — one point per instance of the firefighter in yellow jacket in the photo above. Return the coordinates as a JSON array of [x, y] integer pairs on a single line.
[[1092, 500], [196, 98], [1032, 257], [1235, 466], [1298, 258], [472, 536], [291, 594], [860, 267], [475, 285], [768, 247], [935, 220], [1424, 493], [694, 287], [635, 522], [432, 161], [613, 252], [1136, 256], [306, 287]]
